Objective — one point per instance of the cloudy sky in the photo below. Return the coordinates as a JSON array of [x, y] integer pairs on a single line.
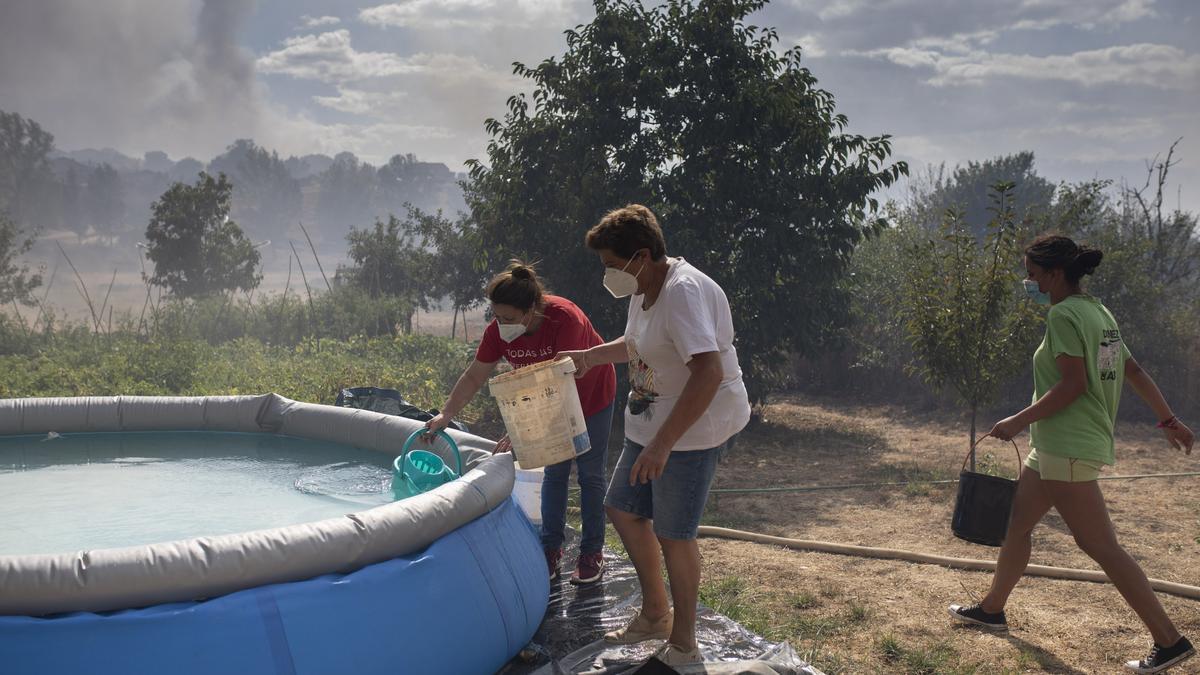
[[1094, 87]]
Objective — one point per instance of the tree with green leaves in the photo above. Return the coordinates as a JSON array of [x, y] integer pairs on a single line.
[[872, 360], [686, 108], [872, 356], [389, 261], [969, 323], [196, 249], [16, 280], [26, 181], [1150, 278], [458, 270]]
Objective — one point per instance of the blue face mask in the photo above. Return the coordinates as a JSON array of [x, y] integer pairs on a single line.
[[1035, 292]]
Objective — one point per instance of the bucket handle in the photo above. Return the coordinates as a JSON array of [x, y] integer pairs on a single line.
[[979, 440], [421, 432]]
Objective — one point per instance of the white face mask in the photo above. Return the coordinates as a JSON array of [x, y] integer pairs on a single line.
[[510, 331], [620, 283]]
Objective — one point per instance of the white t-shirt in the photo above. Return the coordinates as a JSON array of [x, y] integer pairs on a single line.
[[691, 316]]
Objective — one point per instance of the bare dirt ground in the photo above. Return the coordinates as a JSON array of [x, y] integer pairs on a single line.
[[856, 615]]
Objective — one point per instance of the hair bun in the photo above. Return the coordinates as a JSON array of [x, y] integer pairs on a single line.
[[1087, 260], [521, 271], [518, 285]]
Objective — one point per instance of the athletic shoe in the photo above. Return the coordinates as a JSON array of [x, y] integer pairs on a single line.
[[1162, 658], [975, 616], [589, 569]]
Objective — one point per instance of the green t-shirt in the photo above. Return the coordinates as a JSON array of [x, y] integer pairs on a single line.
[[1080, 326]]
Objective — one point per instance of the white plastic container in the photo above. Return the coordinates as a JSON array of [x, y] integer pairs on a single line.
[[541, 411], [527, 490]]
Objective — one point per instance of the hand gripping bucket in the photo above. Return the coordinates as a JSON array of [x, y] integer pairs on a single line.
[[417, 471], [541, 411], [984, 504]]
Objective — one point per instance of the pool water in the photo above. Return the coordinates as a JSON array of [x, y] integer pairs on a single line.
[[103, 490]]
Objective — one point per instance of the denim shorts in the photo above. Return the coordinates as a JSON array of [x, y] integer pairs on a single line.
[[675, 501]]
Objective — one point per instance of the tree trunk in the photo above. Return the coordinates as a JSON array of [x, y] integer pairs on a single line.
[[454, 323], [973, 410], [466, 337]]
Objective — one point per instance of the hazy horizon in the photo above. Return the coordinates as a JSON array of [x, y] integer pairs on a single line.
[[1094, 89]]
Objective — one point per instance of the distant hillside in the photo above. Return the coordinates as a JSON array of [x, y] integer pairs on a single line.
[[271, 195]]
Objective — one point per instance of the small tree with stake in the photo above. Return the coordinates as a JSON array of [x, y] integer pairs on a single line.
[[968, 326]]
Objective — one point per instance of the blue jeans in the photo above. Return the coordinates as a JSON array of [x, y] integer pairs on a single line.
[[590, 470], [675, 501]]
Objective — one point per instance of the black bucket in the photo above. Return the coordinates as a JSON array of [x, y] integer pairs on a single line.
[[983, 505]]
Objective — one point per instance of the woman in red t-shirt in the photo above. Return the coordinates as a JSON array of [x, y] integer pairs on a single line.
[[532, 326]]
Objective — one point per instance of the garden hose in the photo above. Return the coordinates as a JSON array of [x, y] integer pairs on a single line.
[[1170, 587], [850, 486], [902, 483]]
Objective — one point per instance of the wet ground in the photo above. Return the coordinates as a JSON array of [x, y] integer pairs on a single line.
[[570, 637]]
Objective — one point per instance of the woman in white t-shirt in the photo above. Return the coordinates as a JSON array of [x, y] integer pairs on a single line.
[[686, 401]]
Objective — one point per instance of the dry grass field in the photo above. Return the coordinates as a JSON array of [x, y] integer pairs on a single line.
[[857, 615]]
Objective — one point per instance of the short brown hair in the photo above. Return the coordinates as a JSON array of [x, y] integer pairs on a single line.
[[517, 286], [627, 230]]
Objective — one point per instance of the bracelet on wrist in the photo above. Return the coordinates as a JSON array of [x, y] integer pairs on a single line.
[[1171, 422]]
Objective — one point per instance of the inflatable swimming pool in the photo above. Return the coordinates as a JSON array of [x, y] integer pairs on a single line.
[[450, 581]]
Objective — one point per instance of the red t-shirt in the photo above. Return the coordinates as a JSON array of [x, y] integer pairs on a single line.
[[564, 327]]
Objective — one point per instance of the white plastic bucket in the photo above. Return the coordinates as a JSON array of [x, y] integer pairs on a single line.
[[541, 411], [527, 490]]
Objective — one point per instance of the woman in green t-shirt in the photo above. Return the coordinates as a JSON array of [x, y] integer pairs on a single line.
[[1078, 371]]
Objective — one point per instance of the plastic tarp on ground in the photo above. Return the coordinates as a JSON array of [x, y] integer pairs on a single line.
[[570, 639]]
